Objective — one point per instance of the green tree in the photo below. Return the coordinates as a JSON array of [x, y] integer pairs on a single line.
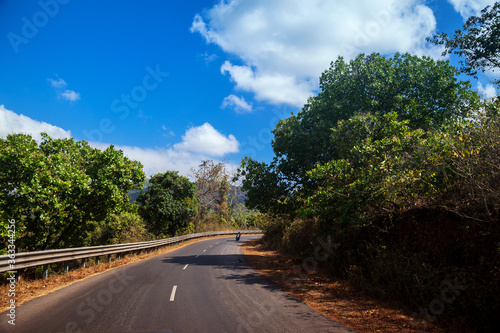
[[168, 204], [266, 189], [128, 227], [478, 42], [54, 189], [378, 172], [419, 90]]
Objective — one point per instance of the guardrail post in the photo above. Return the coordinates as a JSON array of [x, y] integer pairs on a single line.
[[45, 271], [109, 257], [18, 278], [97, 260], [83, 262], [66, 267]]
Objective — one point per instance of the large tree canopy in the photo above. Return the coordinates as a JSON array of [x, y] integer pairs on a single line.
[[478, 42], [55, 188], [168, 204], [419, 90]]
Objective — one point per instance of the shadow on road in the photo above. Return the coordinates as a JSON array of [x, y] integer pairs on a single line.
[[233, 267]]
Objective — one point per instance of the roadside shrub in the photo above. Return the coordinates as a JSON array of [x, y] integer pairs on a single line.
[[120, 229]]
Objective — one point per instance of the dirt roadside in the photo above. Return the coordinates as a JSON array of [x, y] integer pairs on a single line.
[[334, 298]]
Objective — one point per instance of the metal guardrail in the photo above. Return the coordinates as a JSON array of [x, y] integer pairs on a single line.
[[31, 259]]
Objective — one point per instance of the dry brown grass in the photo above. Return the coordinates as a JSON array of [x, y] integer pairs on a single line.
[[336, 299], [30, 289]]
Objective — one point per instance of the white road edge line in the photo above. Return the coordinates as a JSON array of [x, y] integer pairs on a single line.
[[172, 295], [186, 266]]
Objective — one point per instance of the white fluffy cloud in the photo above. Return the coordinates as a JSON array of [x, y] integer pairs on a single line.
[[59, 83], [273, 88], [11, 122], [70, 95], [284, 45], [238, 104], [487, 92], [467, 8], [156, 160], [199, 143], [207, 140]]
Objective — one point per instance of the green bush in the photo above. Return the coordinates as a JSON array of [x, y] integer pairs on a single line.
[[120, 229]]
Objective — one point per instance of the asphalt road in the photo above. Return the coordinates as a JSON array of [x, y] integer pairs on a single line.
[[203, 287]]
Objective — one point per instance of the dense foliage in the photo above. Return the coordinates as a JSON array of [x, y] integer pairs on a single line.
[[55, 189], [169, 203], [63, 193], [394, 168], [127, 227], [419, 90], [398, 163]]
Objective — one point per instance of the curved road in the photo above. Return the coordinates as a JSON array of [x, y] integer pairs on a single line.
[[203, 287]]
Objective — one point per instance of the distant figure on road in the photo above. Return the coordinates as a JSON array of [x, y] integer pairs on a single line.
[[238, 235]]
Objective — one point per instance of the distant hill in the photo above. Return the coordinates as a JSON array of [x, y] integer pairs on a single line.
[[237, 195], [133, 194]]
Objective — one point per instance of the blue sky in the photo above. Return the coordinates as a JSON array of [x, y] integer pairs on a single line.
[[172, 83]]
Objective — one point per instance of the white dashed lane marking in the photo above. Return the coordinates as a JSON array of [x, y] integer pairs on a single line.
[[172, 295]]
